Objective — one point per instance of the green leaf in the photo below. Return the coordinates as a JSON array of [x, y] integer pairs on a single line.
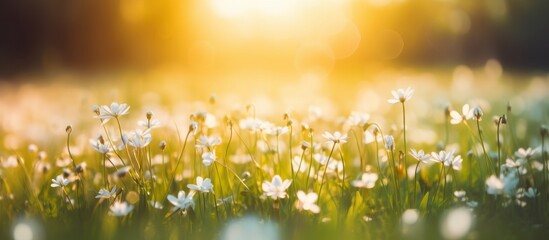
[[424, 201]]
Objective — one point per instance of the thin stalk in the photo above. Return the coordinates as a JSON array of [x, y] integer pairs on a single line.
[[105, 172], [326, 168], [213, 194], [311, 164], [234, 173], [444, 173], [404, 132], [438, 182], [220, 183], [415, 183], [482, 144], [343, 165], [298, 167], [278, 153], [498, 145], [359, 150], [67, 196], [69, 131], [180, 156], [397, 184], [447, 129], [165, 168], [544, 165]]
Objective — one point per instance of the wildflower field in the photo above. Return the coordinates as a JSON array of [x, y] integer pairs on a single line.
[[459, 153]]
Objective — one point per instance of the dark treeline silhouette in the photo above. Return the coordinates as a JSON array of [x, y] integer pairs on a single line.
[[89, 34]]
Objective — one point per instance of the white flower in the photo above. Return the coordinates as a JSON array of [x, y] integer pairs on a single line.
[[420, 156], [442, 157], [510, 182], [494, 186], [208, 142], [157, 204], [466, 114], [460, 195], [320, 158], [138, 138], [358, 118], [208, 158], [307, 201], [401, 95], [368, 180], [11, 162], [60, 181], [370, 137], [153, 123], [477, 113], [249, 123], [525, 153], [42, 167], [296, 161], [202, 185], [182, 201], [121, 172], [531, 193], [100, 146], [334, 166], [389, 142], [120, 209], [337, 137], [456, 162], [106, 113], [277, 131], [63, 162], [104, 193], [276, 188]]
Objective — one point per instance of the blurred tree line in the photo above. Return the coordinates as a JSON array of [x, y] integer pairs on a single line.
[[102, 34]]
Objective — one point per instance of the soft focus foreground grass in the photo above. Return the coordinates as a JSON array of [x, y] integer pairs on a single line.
[[38, 112]]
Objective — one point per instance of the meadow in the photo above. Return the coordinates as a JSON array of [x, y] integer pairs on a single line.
[[454, 153]]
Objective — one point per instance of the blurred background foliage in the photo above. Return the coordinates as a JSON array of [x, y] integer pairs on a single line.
[[222, 36]]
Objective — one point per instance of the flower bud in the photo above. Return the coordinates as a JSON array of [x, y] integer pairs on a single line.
[[193, 126], [504, 119], [149, 115], [162, 145], [447, 111], [389, 142], [80, 167], [95, 109], [477, 112], [68, 129], [305, 145], [246, 175], [66, 173], [543, 131], [101, 139]]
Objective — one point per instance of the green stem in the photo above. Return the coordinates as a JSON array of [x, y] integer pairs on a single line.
[[234, 173], [415, 183], [325, 168], [358, 141], [486, 158], [404, 132], [498, 145], [311, 162], [396, 182]]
